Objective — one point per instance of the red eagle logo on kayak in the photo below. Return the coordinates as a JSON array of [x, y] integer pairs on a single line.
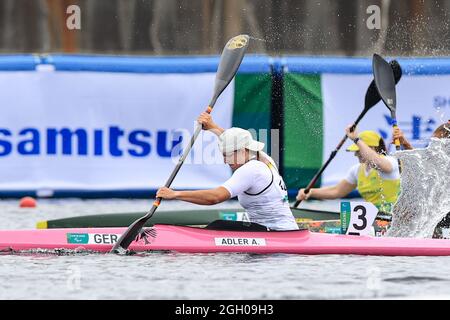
[[147, 235]]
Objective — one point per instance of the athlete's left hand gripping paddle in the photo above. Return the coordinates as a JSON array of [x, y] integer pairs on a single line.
[[385, 82], [230, 60]]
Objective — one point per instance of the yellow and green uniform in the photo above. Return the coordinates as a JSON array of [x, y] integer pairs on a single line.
[[381, 189], [383, 193]]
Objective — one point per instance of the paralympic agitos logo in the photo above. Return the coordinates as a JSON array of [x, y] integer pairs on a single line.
[[112, 141]]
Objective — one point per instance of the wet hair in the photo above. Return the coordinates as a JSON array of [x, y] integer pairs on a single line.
[[443, 131], [381, 149]]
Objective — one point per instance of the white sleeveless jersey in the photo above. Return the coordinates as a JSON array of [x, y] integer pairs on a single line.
[[262, 193]]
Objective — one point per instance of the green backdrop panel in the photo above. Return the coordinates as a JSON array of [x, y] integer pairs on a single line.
[[303, 128], [252, 103]]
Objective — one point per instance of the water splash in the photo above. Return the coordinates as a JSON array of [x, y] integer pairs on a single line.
[[259, 39], [425, 190]]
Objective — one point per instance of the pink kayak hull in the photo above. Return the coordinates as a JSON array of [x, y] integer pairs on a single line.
[[197, 240]]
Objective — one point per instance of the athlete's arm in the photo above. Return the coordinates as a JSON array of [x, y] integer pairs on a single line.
[[338, 191], [204, 197], [207, 123], [369, 154]]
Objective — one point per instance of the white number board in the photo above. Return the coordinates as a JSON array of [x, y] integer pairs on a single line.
[[357, 217]]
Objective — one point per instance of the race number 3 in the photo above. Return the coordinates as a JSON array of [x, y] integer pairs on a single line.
[[361, 211], [357, 217]]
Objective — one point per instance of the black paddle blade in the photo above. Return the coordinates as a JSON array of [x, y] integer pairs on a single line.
[[372, 95], [128, 236], [397, 69], [231, 59], [384, 81]]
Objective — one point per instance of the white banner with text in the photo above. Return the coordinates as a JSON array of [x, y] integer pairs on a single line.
[[107, 131]]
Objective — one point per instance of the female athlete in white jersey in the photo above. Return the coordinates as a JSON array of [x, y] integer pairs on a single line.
[[255, 181]]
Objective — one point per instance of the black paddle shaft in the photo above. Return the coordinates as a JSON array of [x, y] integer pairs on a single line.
[[371, 99], [230, 60]]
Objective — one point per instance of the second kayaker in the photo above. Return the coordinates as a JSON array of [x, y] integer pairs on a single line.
[[376, 176], [255, 181]]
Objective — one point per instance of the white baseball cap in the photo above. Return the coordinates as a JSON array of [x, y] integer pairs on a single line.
[[236, 138]]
